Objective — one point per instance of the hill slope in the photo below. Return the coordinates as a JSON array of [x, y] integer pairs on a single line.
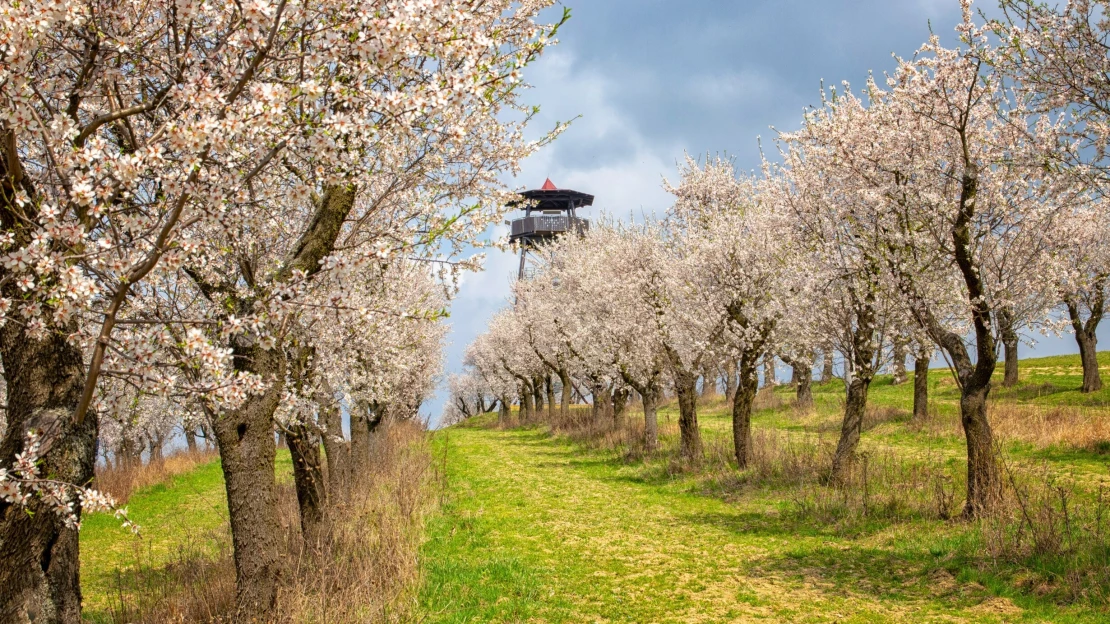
[[540, 528]]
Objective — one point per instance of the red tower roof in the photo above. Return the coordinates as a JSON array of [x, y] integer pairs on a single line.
[[548, 186]]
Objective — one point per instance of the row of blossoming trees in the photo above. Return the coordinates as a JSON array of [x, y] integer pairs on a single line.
[[239, 217], [943, 209]]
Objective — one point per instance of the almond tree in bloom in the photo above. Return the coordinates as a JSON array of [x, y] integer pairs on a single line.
[[1056, 57], [1083, 248], [835, 219], [965, 207], [599, 314], [377, 348], [175, 176], [754, 272]]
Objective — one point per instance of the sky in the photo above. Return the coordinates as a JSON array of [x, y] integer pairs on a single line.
[[648, 81]]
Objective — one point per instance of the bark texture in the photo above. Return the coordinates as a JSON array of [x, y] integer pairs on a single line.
[[1087, 338], [686, 386], [851, 427], [1010, 348], [898, 363], [730, 381], [827, 366], [769, 380], [742, 410], [567, 394], [308, 479], [921, 386], [245, 438], [651, 421], [39, 573]]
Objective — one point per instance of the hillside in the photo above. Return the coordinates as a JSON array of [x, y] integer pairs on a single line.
[[578, 527]]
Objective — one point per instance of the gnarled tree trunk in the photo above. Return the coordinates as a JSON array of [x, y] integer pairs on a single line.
[[39, 573], [245, 437], [864, 350], [308, 479], [898, 362], [921, 384], [1087, 338], [851, 427], [686, 386], [742, 410], [1010, 347], [730, 381]]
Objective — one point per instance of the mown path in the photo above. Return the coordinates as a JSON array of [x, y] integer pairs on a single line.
[[535, 530]]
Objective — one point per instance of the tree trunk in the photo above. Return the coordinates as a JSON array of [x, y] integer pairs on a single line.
[[1010, 347], [1087, 338], [983, 480], [157, 443], [567, 392], [245, 437], [1092, 381], [686, 386], [549, 385], [730, 381], [921, 386], [527, 411], [337, 450], [898, 364], [39, 573], [504, 412], [620, 403], [537, 391], [190, 439], [769, 371], [804, 391], [827, 366], [708, 384], [308, 479], [651, 422], [742, 411], [851, 427], [360, 442]]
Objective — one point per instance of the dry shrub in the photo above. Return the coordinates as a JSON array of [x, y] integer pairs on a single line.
[[1056, 426], [767, 398], [875, 415], [120, 482], [1055, 530], [364, 569]]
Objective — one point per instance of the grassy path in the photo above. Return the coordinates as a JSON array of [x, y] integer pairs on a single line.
[[535, 530]]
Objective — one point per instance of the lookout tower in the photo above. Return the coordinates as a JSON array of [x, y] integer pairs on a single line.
[[548, 212]]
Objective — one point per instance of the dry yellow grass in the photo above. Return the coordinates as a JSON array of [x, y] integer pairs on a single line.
[[123, 481]]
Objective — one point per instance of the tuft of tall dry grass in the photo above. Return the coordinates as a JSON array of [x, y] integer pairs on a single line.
[[365, 568], [1075, 427], [122, 481]]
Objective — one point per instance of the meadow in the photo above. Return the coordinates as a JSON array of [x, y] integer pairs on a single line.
[[574, 523]]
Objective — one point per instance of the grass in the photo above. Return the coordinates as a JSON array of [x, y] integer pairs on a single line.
[[563, 528], [542, 527], [180, 518]]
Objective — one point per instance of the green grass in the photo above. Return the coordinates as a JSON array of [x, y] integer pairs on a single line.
[[535, 528], [183, 517], [539, 528]]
